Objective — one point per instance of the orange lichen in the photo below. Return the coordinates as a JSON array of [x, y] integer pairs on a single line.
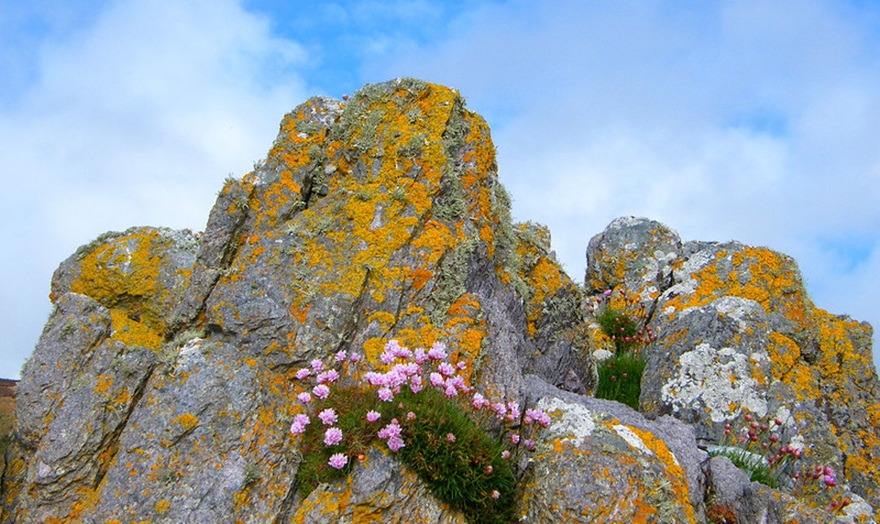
[[133, 332], [187, 421]]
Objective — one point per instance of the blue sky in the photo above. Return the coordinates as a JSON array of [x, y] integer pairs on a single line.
[[751, 120]]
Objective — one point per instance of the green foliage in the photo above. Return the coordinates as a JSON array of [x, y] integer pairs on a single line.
[[465, 448], [620, 327], [622, 318], [456, 472], [463, 473], [351, 403], [620, 379], [762, 449]]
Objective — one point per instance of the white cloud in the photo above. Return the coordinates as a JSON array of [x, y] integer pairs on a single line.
[[747, 120], [134, 119], [740, 120]]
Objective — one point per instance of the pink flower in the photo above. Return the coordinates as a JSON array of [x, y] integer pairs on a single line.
[[317, 365], [450, 391], [303, 373], [304, 397], [392, 429], [505, 455], [437, 351], [332, 436], [340, 357], [542, 418], [461, 366], [395, 443], [450, 437], [354, 357], [512, 411], [410, 416], [479, 401], [331, 375], [446, 369], [375, 379], [321, 391], [373, 416], [385, 394], [328, 416], [415, 383], [436, 379], [300, 422], [514, 438], [386, 358], [500, 409], [489, 469], [338, 460], [495, 494]]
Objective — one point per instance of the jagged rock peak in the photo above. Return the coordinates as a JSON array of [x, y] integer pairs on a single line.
[[163, 386]]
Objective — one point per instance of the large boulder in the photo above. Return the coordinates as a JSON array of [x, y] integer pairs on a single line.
[[738, 334], [161, 387]]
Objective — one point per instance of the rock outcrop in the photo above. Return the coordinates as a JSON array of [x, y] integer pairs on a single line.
[[162, 386]]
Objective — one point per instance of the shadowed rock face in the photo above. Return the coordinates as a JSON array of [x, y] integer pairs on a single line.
[[161, 388]]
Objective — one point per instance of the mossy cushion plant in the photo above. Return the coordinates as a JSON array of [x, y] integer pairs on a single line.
[[424, 412]]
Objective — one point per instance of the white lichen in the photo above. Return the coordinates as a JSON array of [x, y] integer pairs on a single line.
[[570, 422], [712, 380], [739, 310], [601, 355], [631, 438]]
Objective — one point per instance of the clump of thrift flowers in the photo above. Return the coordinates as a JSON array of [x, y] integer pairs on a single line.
[[761, 448], [419, 406]]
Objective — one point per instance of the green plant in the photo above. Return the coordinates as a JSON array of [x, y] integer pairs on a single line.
[[620, 379], [763, 450], [620, 327], [464, 447], [622, 318]]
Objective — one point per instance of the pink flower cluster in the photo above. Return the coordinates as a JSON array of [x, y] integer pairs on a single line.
[[391, 434], [415, 369], [409, 368]]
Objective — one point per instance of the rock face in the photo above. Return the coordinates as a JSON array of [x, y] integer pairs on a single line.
[[161, 388], [738, 333]]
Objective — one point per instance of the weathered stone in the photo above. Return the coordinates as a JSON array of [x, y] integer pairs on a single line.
[[600, 461], [380, 489], [161, 388], [739, 333], [635, 253], [559, 352]]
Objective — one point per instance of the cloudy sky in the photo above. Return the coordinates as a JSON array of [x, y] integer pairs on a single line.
[[752, 120]]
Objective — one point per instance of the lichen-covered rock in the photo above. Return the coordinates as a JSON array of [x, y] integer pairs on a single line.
[[82, 386], [161, 388], [380, 489], [600, 461], [635, 253], [737, 332], [730, 488], [376, 218], [555, 319]]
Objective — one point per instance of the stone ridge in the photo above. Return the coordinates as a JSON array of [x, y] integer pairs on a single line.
[[162, 386]]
